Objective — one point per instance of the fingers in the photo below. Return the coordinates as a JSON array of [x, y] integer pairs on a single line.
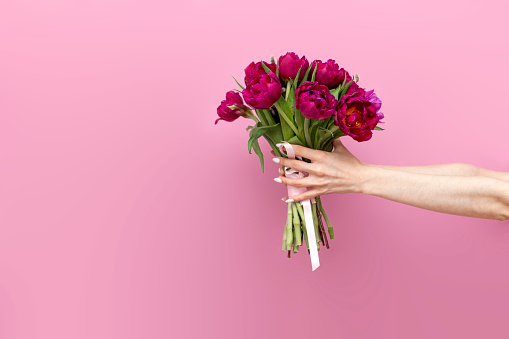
[[301, 182], [298, 165], [309, 153], [305, 152], [281, 169], [306, 195]]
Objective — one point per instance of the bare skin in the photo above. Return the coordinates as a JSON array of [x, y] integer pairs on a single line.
[[458, 189]]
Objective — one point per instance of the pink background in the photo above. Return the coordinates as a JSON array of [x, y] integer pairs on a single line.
[[126, 213]]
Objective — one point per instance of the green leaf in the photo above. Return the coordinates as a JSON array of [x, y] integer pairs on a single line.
[[335, 92], [265, 67], [344, 80], [379, 128], [314, 134], [238, 83], [345, 88], [338, 134], [285, 111], [326, 130], [258, 152], [295, 114], [322, 135], [327, 135], [275, 134], [305, 76], [299, 121], [298, 74], [277, 68], [314, 72], [295, 140], [256, 132]]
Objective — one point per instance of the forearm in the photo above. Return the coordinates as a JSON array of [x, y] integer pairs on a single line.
[[471, 196], [451, 169], [440, 169]]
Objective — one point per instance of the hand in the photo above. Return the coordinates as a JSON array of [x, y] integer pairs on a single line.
[[338, 171]]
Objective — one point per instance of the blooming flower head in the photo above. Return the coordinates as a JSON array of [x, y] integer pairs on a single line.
[[255, 69], [356, 117], [315, 101], [228, 113], [371, 97], [289, 65], [329, 74], [263, 91]]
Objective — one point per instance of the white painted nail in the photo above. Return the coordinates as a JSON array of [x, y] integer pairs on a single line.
[[276, 160], [278, 180], [289, 200]]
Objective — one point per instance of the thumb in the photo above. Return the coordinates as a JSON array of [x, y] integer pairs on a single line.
[[337, 143]]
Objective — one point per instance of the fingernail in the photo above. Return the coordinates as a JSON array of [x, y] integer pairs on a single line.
[[278, 144], [278, 180], [289, 200], [276, 160]]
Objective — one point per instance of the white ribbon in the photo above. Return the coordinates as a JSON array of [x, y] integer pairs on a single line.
[[306, 204]]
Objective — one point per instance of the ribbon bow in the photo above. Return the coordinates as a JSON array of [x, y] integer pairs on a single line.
[[306, 204]]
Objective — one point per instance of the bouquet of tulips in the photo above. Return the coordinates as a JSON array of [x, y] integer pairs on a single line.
[[294, 102]]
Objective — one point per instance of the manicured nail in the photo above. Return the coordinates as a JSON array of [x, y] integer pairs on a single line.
[[278, 180], [276, 160], [289, 200]]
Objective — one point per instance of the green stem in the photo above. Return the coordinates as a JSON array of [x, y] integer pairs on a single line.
[[329, 138], [300, 210], [284, 238], [289, 83], [289, 226], [296, 225], [269, 117], [306, 132], [262, 117], [330, 122], [334, 128], [294, 241], [272, 145], [283, 115], [321, 230], [315, 225], [329, 226]]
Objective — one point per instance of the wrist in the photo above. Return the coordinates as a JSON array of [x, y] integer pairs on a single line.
[[366, 176], [369, 176]]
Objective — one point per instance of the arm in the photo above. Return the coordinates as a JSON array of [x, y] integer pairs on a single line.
[[450, 169], [441, 169], [504, 176], [471, 196], [341, 172]]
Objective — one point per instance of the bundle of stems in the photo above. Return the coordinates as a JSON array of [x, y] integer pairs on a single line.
[[295, 230]]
